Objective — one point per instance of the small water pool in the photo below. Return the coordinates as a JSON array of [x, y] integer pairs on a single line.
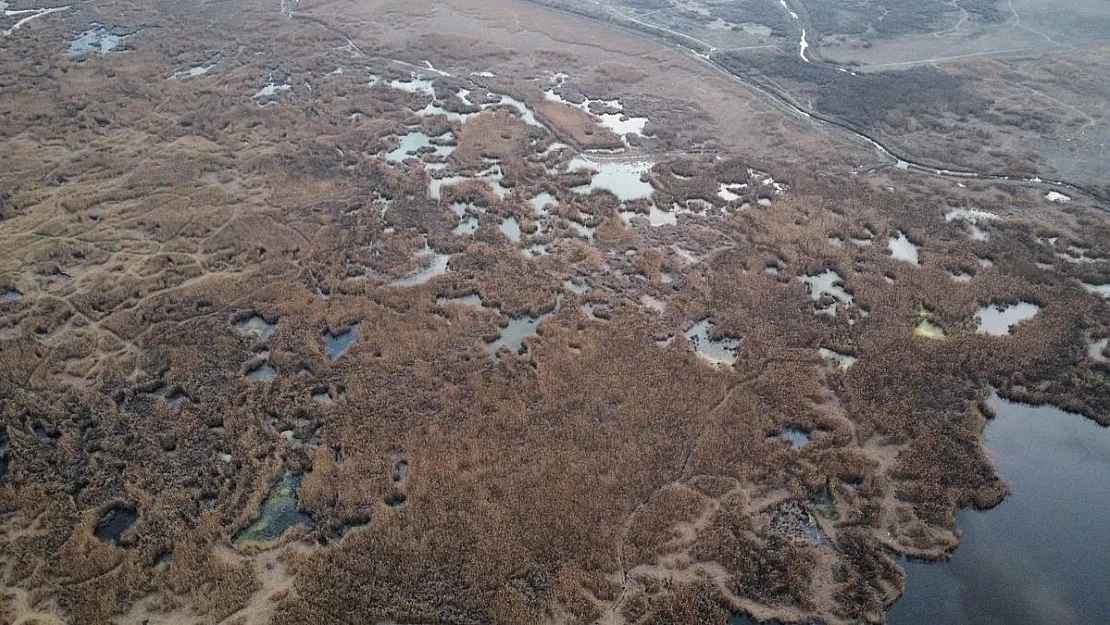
[[338, 343], [901, 248], [114, 521], [999, 320], [96, 39], [279, 512], [721, 352]]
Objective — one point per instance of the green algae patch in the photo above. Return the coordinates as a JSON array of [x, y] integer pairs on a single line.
[[278, 513], [925, 327]]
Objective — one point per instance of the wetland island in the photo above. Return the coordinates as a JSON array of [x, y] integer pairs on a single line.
[[564, 312]]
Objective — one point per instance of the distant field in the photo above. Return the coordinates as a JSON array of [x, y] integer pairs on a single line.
[[998, 86]]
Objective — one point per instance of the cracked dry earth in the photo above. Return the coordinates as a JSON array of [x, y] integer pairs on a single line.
[[316, 313]]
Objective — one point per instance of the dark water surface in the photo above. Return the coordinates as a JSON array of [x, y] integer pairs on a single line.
[[1042, 557], [280, 511], [116, 520]]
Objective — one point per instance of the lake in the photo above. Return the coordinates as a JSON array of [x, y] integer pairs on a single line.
[[1043, 555]]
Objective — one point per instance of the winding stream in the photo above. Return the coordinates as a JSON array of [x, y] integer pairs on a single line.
[[703, 53], [803, 45]]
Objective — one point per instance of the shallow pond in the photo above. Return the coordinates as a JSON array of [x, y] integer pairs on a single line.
[[655, 218], [584, 231], [415, 141], [401, 471], [576, 287], [262, 373], [1095, 349], [96, 39], [928, 330], [623, 125], [1040, 557], [510, 227], [843, 361], [720, 352], [621, 178], [432, 109], [337, 344], [730, 192], [797, 438], [659, 217], [999, 320], [973, 217], [519, 328], [193, 72], [513, 335], [543, 202], [280, 511], [114, 521], [467, 225], [1102, 290], [491, 176], [437, 266], [271, 89], [258, 326], [901, 248], [415, 84], [828, 283], [615, 120], [526, 114], [10, 295]]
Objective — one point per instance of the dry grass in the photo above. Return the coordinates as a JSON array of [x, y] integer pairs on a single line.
[[603, 474]]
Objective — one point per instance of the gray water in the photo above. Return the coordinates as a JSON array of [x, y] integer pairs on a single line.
[[510, 227], [720, 352], [829, 283], [579, 287], [1000, 320], [797, 438], [901, 248], [1039, 558], [96, 39], [543, 202], [467, 225], [622, 178], [116, 520], [336, 344], [438, 265], [257, 326], [843, 361], [512, 336], [262, 373]]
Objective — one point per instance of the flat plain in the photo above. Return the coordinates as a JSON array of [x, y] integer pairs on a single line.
[[485, 311]]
